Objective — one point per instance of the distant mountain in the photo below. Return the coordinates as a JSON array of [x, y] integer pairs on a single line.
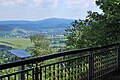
[[14, 22], [5, 28], [49, 23]]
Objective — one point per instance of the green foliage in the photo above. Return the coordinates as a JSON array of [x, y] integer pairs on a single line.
[[107, 24], [41, 45], [77, 35], [97, 29], [2, 59]]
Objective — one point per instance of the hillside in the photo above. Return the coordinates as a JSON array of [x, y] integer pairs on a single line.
[[6, 28], [49, 23]]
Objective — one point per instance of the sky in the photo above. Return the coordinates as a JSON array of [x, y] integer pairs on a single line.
[[42, 9]]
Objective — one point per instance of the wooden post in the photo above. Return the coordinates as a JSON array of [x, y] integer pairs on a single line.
[[22, 75], [90, 73], [118, 53]]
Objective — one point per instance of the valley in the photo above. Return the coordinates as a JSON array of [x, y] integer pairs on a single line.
[[16, 33]]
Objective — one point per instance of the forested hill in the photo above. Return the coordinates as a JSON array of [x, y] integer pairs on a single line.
[[5, 28], [37, 25]]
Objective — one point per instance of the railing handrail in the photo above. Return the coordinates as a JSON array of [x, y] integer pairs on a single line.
[[51, 56]]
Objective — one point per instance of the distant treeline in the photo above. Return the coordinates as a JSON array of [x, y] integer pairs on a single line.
[[5, 47], [50, 23], [5, 28]]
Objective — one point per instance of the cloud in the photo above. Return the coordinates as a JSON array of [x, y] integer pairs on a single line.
[[46, 3], [37, 2], [80, 3], [40, 3], [49, 3], [11, 2]]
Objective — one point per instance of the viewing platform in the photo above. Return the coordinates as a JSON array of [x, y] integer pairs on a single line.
[[97, 63]]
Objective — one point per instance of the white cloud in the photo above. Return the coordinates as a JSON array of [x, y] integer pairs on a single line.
[[40, 3], [11, 2], [80, 3], [49, 3], [37, 2], [46, 3]]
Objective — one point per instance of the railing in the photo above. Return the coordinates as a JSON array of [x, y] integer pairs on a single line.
[[83, 64]]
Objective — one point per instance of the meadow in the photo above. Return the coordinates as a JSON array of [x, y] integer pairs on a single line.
[[23, 43], [18, 43]]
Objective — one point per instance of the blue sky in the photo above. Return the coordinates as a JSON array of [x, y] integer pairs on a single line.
[[42, 9]]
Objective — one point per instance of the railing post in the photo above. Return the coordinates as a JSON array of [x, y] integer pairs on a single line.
[[36, 72], [22, 75], [118, 53], [90, 73], [40, 73]]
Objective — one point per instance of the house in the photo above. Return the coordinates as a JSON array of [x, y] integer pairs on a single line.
[[14, 55]]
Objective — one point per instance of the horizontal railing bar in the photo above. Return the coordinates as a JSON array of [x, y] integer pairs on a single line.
[[18, 72], [51, 56], [98, 53], [63, 61]]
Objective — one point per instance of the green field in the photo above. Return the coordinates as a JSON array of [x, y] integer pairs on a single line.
[[23, 43], [19, 43]]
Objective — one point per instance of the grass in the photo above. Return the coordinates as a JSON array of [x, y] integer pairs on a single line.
[[59, 44], [19, 43], [23, 43]]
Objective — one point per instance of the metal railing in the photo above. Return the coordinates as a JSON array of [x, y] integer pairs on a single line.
[[82, 64]]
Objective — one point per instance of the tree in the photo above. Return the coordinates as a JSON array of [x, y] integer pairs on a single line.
[[109, 20], [98, 28], [41, 45], [77, 35]]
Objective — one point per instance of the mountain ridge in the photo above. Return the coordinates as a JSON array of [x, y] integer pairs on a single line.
[[39, 24]]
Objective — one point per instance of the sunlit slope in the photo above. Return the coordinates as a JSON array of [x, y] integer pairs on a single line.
[[19, 43]]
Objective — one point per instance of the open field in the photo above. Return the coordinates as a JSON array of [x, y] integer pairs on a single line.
[[23, 43], [19, 43]]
